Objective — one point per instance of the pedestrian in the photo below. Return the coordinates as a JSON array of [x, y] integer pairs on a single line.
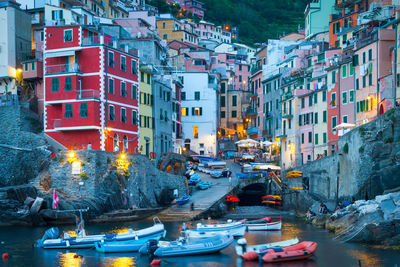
[[192, 206]]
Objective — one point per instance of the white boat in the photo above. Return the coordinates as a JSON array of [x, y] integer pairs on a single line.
[[191, 234], [264, 224], [242, 247], [235, 229], [51, 239], [216, 164]]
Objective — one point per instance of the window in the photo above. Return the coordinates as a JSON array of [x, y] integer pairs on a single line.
[[315, 98], [234, 100], [276, 103], [222, 114], [351, 96], [42, 36], [111, 59], [364, 81], [316, 118], [234, 113], [185, 111], [134, 92], [303, 101], [183, 95], [148, 78], [370, 54], [357, 84], [123, 63], [110, 86], [370, 78], [168, 96], [324, 138], [240, 78], [345, 119], [123, 115], [351, 69], [195, 132], [333, 77], [344, 71], [240, 67], [83, 110], [134, 67], [111, 112], [355, 60], [310, 137], [68, 83], [197, 111], [142, 77], [333, 100], [134, 117], [302, 138], [123, 89], [68, 111], [54, 84], [324, 116], [310, 101], [334, 122], [344, 98], [67, 36], [165, 36], [323, 96], [222, 100], [222, 88], [197, 95], [363, 55], [289, 123], [316, 139], [26, 67]]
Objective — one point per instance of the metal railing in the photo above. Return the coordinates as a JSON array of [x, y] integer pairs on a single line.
[[88, 94], [62, 68]]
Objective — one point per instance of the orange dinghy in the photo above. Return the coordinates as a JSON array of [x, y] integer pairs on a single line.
[[299, 251]]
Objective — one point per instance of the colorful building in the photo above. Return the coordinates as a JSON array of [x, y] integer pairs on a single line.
[[146, 118], [90, 90], [171, 29], [317, 17]]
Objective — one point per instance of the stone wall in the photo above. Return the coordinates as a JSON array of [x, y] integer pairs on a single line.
[[366, 164]]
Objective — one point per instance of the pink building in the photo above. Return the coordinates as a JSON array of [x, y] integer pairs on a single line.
[[195, 7]]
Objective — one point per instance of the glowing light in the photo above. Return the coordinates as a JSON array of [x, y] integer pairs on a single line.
[[19, 70], [227, 28], [184, 149], [122, 156], [71, 157], [244, 82]]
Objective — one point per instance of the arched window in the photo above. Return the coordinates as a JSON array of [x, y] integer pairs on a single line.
[[116, 143], [125, 143]]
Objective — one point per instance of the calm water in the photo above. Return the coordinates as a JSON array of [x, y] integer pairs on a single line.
[[18, 243]]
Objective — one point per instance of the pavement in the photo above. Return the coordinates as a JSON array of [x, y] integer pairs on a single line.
[[202, 199]]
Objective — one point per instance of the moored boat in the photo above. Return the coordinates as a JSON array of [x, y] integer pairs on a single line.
[[182, 200], [251, 252], [263, 224], [204, 185], [303, 250], [191, 234], [194, 247], [235, 229], [51, 240]]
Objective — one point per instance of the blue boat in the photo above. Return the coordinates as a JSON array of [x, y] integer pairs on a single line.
[[204, 185], [182, 200], [133, 245], [193, 247], [251, 175]]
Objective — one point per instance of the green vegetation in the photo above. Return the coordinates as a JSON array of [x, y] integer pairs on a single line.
[[361, 149], [388, 140], [257, 20], [346, 148], [361, 130], [84, 176]]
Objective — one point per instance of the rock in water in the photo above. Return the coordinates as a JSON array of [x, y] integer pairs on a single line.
[[37, 205], [387, 206]]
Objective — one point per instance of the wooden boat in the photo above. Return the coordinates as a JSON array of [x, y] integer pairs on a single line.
[[303, 250], [195, 247], [233, 228], [204, 185], [50, 238], [273, 226], [182, 200], [133, 245], [252, 251]]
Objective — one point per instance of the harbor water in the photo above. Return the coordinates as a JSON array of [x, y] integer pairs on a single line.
[[18, 243]]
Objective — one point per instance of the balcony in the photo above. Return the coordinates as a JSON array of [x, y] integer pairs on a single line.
[[266, 133], [63, 68], [289, 115], [252, 130], [251, 112], [74, 125], [88, 94]]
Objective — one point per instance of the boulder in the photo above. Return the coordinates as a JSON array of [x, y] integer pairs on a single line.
[[29, 201], [370, 208], [340, 224], [37, 204], [54, 217], [320, 220], [387, 206]]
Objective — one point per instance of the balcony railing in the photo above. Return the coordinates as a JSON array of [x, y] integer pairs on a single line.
[[251, 111], [87, 94], [92, 40], [252, 130], [63, 68]]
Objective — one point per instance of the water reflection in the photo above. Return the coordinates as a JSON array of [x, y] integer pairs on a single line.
[[120, 262], [70, 260], [367, 259]]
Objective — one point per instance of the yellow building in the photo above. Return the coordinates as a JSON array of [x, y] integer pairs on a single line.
[[171, 29], [146, 118]]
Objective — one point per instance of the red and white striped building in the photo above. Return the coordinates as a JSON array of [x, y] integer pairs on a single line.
[[90, 90]]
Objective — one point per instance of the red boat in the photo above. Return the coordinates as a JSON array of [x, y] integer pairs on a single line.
[[300, 251]]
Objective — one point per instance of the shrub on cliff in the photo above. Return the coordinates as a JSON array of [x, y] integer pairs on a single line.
[[346, 148]]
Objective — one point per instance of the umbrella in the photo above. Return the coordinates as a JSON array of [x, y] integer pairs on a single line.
[[247, 141], [267, 143], [344, 125]]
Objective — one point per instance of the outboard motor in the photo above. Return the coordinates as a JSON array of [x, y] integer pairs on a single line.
[[52, 233], [150, 247], [242, 242]]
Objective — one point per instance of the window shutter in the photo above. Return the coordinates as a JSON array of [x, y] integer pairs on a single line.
[[193, 112], [201, 111]]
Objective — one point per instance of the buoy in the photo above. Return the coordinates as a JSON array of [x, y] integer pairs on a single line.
[[250, 256], [5, 256], [76, 256], [155, 262]]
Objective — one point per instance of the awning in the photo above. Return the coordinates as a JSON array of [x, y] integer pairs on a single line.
[[61, 53]]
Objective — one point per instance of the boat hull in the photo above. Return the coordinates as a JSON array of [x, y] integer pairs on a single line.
[[204, 246], [274, 226], [262, 247], [234, 229], [299, 251]]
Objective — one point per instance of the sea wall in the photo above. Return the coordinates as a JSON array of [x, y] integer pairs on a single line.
[[366, 164]]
